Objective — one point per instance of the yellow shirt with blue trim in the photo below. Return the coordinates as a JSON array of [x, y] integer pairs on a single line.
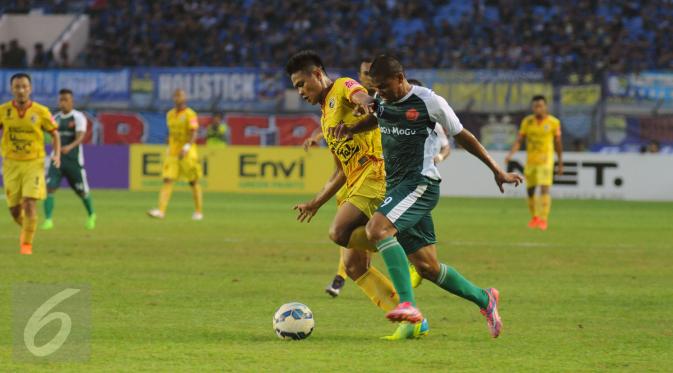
[[540, 135], [23, 130], [355, 153], [180, 124]]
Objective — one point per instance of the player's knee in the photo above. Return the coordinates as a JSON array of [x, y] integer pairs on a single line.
[[355, 268], [376, 232], [339, 235], [427, 269]]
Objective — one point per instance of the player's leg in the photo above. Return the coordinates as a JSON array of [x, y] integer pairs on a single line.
[[397, 212], [76, 176], [420, 244], [53, 182], [191, 169], [13, 184], [29, 207], [357, 259], [334, 288], [546, 179], [33, 189], [531, 183], [170, 171]]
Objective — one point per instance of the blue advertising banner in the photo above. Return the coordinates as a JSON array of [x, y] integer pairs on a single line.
[[653, 86], [208, 88], [90, 86]]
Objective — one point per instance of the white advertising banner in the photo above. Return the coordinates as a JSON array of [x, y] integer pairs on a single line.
[[647, 177]]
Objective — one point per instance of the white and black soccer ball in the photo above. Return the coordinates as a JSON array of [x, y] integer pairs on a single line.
[[293, 321]]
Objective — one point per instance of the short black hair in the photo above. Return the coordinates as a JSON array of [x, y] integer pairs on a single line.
[[19, 76], [539, 98], [385, 66], [303, 60], [415, 82], [65, 91]]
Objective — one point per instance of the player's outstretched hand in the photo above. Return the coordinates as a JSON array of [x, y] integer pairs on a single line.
[[507, 178], [363, 109], [559, 169], [340, 131], [306, 211], [56, 160], [309, 142]]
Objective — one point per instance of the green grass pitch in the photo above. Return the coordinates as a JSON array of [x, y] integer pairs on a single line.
[[593, 293]]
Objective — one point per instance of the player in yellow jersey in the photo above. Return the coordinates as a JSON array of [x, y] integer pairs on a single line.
[[542, 132], [182, 160], [23, 124], [359, 165]]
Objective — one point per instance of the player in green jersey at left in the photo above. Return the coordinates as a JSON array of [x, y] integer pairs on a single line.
[[72, 127]]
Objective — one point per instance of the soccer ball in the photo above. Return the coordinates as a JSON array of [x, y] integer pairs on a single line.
[[293, 321]]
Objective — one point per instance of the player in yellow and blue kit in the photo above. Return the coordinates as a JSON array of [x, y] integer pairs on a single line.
[[542, 133], [23, 124], [182, 160]]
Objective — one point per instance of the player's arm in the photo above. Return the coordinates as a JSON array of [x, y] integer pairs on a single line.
[[314, 139], [307, 210], [440, 112], [470, 143], [342, 130], [558, 146], [193, 133], [515, 147], [445, 148], [56, 141], [80, 132]]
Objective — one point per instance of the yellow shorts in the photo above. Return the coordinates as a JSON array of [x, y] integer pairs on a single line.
[[368, 191], [187, 168], [23, 179], [542, 175]]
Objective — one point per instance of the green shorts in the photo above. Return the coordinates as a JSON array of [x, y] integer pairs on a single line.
[[73, 171], [408, 205]]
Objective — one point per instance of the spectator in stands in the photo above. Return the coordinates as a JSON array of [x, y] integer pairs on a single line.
[[3, 55], [653, 147], [15, 56], [217, 132], [64, 56], [39, 57]]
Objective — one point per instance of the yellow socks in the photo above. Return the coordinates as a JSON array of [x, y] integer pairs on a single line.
[[28, 230], [545, 206], [165, 196], [359, 240], [379, 289], [532, 206], [341, 271], [198, 197]]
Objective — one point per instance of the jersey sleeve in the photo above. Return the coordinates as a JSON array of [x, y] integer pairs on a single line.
[[80, 122], [523, 128], [47, 121], [192, 120], [351, 87], [557, 129], [440, 112], [441, 135]]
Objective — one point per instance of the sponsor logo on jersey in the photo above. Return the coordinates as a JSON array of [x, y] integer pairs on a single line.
[[350, 83], [398, 131], [33, 119], [332, 102], [412, 114]]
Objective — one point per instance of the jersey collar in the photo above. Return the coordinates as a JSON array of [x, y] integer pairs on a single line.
[[406, 97], [22, 112], [329, 89]]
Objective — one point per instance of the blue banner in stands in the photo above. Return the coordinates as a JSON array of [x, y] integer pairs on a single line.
[[208, 88], [90, 86], [651, 86]]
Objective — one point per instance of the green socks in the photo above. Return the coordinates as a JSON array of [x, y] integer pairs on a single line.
[[49, 206], [88, 204], [398, 267], [450, 280]]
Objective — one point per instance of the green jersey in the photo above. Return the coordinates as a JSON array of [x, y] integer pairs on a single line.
[[68, 126], [408, 134]]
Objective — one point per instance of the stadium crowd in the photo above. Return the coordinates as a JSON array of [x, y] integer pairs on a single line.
[[580, 36]]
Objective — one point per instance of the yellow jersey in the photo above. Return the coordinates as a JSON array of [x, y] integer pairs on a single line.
[[180, 124], [540, 138], [23, 130], [356, 153]]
